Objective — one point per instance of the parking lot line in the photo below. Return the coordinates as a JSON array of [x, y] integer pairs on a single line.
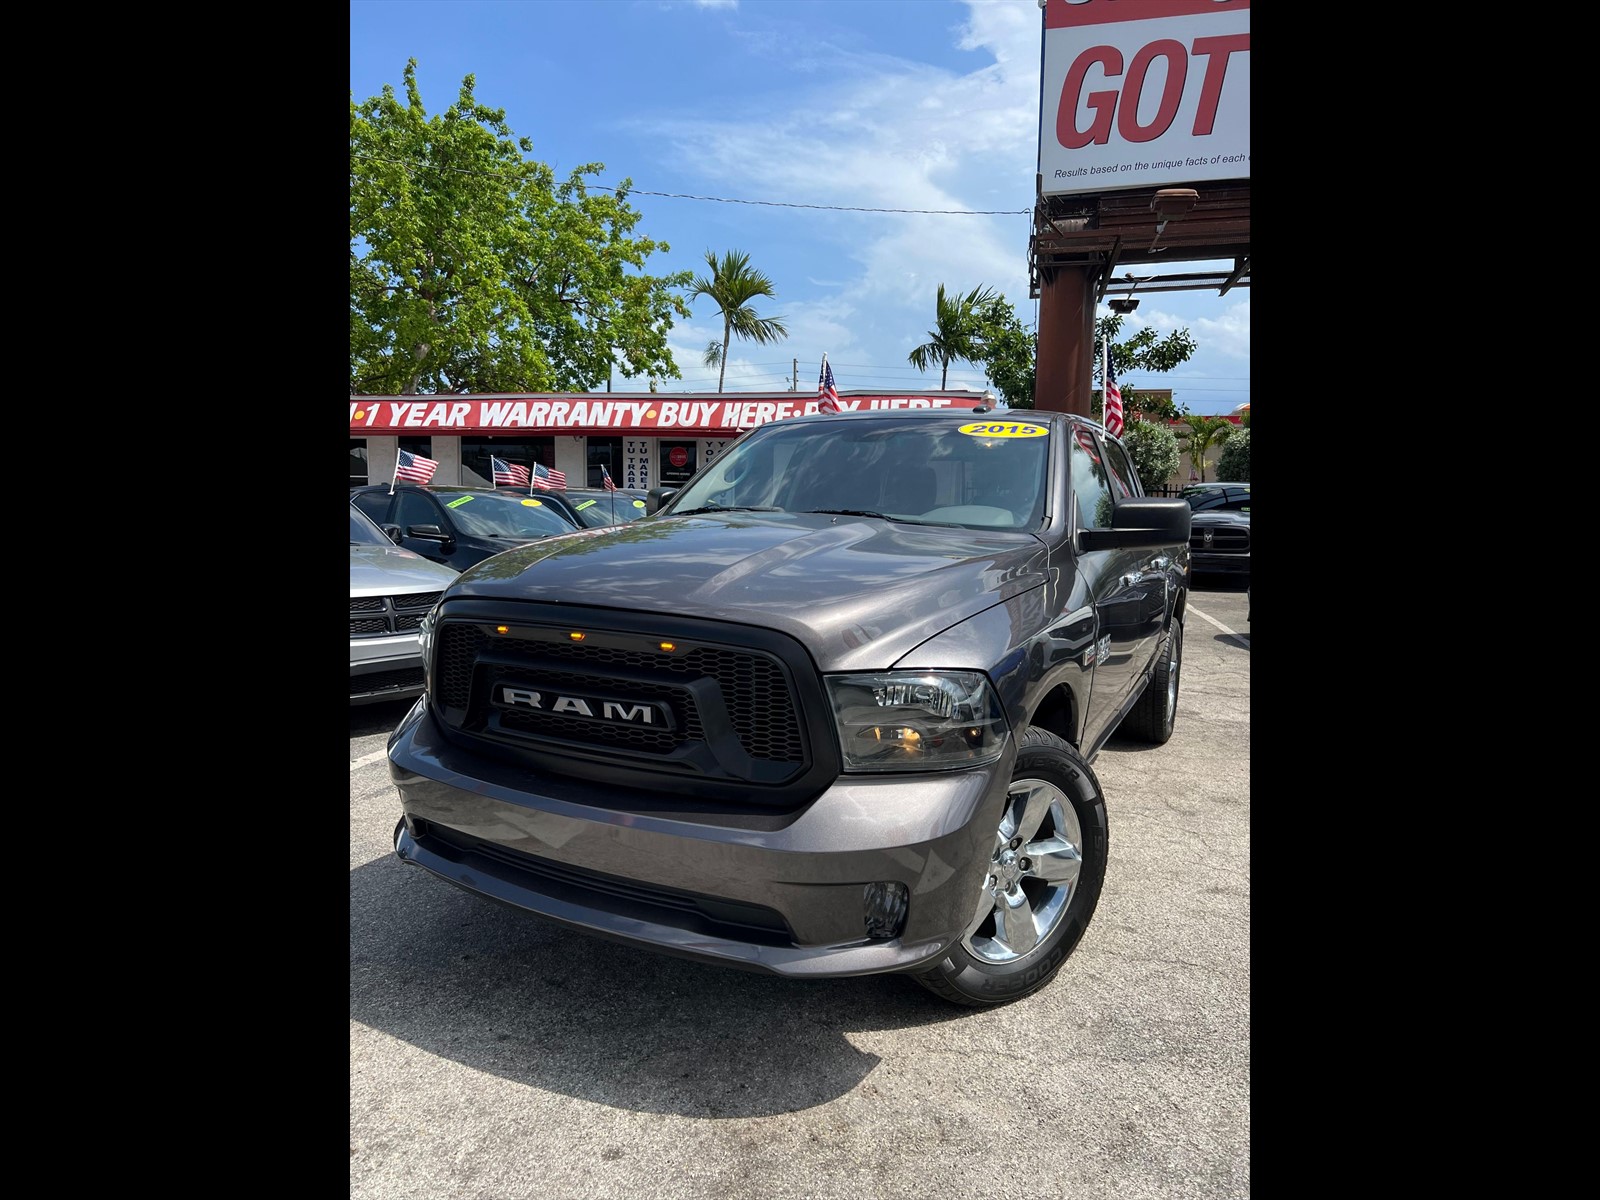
[[1242, 638]]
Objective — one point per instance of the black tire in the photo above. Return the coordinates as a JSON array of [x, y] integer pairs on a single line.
[[1156, 710], [1053, 791]]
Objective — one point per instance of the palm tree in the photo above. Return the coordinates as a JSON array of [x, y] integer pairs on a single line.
[[1203, 431], [733, 283], [955, 333]]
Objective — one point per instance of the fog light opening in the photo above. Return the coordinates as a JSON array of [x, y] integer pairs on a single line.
[[885, 909]]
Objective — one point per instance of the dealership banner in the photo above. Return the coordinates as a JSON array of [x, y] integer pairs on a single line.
[[379, 416], [1143, 93]]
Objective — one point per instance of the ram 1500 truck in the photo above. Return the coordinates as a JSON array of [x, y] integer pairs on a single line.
[[830, 711]]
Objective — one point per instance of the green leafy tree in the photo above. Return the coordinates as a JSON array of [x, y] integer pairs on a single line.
[[1008, 351], [1005, 349], [1155, 452], [732, 284], [1204, 432], [957, 334], [471, 269], [1233, 464], [1144, 351]]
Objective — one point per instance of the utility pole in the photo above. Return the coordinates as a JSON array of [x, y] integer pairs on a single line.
[[794, 385]]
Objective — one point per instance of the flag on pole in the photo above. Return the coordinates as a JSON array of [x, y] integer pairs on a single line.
[[827, 394], [413, 468], [548, 478], [1113, 406], [605, 480], [509, 473]]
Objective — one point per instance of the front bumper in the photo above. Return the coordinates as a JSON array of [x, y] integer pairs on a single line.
[[777, 892], [1203, 563], [385, 668]]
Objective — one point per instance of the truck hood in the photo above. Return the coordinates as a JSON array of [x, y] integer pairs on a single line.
[[385, 570], [857, 592]]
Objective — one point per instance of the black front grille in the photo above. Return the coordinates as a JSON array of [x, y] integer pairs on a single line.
[[380, 616], [663, 906], [1226, 539], [718, 713]]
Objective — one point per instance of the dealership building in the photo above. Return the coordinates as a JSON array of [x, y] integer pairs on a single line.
[[644, 439]]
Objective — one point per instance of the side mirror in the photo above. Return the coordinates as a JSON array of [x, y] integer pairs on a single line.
[[1145, 523], [656, 497], [393, 532], [429, 533]]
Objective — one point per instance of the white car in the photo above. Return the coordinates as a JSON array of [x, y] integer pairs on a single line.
[[391, 590]]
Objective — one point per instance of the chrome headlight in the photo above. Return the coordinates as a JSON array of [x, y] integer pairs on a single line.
[[916, 720]]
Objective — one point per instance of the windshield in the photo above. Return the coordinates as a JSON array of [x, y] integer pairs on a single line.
[[982, 473], [363, 532], [1216, 497], [496, 514], [613, 508]]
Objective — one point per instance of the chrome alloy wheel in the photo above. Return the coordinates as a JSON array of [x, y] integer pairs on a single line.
[[1034, 872]]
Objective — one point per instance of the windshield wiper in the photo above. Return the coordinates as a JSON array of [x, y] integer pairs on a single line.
[[848, 512], [689, 512]]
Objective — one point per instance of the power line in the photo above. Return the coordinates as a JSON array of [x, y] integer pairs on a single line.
[[601, 187]]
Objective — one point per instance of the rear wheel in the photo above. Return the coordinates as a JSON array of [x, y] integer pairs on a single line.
[[1042, 882], [1153, 714]]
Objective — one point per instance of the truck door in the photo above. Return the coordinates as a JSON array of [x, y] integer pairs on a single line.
[[1116, 587]]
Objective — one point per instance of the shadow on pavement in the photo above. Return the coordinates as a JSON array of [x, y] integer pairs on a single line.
[[499, 991]]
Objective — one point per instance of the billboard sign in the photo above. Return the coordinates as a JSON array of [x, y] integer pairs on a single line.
[[1143, 93]]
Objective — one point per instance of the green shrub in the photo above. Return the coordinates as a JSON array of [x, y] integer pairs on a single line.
[[1154, 448], [1233, 464]]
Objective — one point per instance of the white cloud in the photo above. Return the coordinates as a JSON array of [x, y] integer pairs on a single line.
[[882, 132]]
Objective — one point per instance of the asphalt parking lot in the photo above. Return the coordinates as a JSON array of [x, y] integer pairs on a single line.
[[494, 1056]]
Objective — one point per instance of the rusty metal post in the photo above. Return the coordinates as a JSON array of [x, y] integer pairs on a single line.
[[1063, 378]]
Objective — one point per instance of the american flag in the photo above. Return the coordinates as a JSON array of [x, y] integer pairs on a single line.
[[605, 480], [827, 394], [1113, 421], [414, 468], [548, 478], [512, 474]]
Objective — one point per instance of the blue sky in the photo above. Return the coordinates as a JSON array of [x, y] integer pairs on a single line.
[[838, 104]]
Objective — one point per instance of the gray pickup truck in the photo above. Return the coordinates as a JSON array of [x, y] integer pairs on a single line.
[[829, 711]]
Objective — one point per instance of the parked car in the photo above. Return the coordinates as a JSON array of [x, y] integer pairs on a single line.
[[1231, 497], [461, 526], [391, 590], [1219, 543], [591, 508], [836, 716]]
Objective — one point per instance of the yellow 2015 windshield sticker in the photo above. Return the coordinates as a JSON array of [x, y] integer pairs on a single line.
[[1004, 429], [533, 504]]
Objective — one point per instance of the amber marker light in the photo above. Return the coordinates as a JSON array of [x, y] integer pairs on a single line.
[[502, 629], [669, 647], [576, 636]]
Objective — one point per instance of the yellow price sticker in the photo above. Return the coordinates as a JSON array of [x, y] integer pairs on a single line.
[[1004, 429]]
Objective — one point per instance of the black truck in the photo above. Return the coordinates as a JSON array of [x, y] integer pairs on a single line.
[[830, 710]]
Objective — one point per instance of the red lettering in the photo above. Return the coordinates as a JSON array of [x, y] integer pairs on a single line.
[[1171, 95], [1104, 104], [1216, 50]]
